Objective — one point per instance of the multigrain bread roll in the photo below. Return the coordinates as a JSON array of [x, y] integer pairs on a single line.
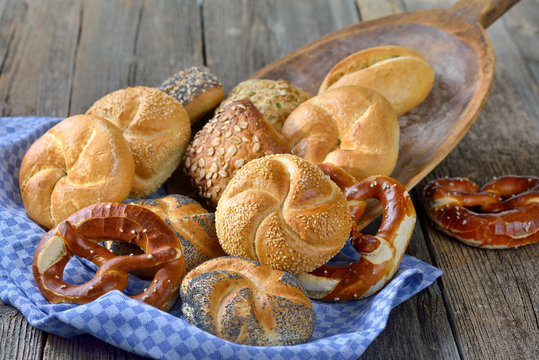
[[156, 127], [352, 127], [78, 162], [284, 212], [242, 301], [235, 136], [198, 90], [403, 76], [192, 224], [275, 99]]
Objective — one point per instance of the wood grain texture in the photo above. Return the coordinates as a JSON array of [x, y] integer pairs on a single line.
[[23, 341], [38, 63], [133, 43], [256, 33], [58, 57]]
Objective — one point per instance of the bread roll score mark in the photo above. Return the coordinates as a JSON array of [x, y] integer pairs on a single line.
[[296, 223]]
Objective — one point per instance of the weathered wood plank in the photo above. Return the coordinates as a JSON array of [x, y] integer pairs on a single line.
[[492, 295], [36, 72], [83, 347], [255, 33], [25, 342], [516, 42], [133, 43]]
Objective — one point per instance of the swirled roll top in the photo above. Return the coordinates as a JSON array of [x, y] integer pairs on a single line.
[[284, 212], [245, 302], [352, 127], [78, 162]]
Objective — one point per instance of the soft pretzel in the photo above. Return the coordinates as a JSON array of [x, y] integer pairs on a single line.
[[245, 302], [79, 235], [284, 212], [502, 214], [380, 254]]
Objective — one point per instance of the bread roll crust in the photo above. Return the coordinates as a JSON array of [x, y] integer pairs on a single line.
[[198, 90], [283, 211], [400, 74], [245, 302], [352, 127], [232, 138], [275, 99], [156, 127], [78, 162]]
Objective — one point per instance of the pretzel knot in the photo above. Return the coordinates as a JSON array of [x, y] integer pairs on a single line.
[[381, 254], [503, 214], [80, 234]]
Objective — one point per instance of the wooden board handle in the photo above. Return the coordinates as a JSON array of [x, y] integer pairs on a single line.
[[483, 11]]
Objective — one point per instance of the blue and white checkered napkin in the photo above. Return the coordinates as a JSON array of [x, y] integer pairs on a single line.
[[343, 330]]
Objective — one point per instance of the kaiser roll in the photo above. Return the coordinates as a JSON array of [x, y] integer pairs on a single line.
[[80, 161], [284, 212], [352, 127], [245, 302], [156, 127], [403, 76]]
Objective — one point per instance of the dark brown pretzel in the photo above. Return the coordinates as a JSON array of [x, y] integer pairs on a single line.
[[80, 234], [380, 254], [502, 214]]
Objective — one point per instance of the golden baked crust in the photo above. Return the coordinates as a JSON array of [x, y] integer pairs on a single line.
[[245, 302], [403, 76], [235, 136], [156, 127], [352, 127], [275, 99], [78, 162], [198, 90], [283, 211]]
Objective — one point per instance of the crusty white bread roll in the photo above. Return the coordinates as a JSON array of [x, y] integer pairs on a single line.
[[352, 127], [156, 127], [275, 99], [283, 211], [245, 302], [80, 161], [192, 224], [197, 89], [403, 76], [232, 138]]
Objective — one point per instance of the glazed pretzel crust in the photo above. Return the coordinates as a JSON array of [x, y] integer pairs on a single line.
[[503, 214], [80, 234], [380, 254]]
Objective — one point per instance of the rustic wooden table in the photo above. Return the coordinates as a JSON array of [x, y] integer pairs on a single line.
[[58, 56]]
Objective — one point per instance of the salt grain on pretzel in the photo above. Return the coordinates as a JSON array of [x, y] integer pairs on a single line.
[[79, 235], [380, 254], [502, 214]]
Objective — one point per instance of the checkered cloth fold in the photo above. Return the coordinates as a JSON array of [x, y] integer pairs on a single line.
[[343, 330]]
